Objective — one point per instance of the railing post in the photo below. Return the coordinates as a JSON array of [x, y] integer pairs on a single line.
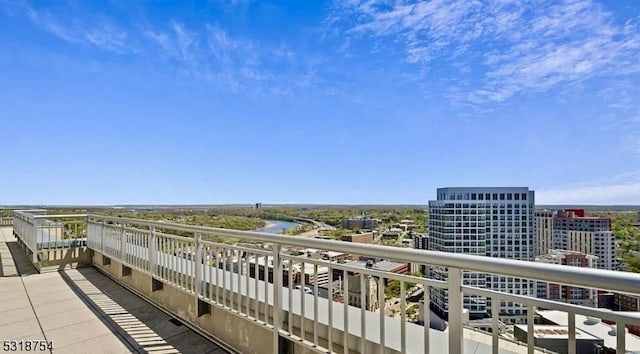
[[123, 242], [277, 297], [454, 283], [102, 237], [33, 242], [198, 264], [153, 251]]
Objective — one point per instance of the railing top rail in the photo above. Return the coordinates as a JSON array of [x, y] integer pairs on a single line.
[[586, 277], [60, 216]]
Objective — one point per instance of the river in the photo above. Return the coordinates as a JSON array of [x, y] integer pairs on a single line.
[[276, 226]]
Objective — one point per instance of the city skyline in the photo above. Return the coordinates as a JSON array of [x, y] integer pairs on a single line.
[[318, 103]]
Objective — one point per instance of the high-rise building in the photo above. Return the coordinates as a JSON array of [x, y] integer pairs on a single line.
[[420, 242], [484, 221], [572, 231], [573, 295], [544, 230]]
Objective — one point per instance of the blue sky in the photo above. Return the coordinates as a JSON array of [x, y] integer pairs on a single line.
[[108, 102]]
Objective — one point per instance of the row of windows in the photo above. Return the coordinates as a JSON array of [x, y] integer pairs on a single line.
[[450, 218], [482, 206], [483, 196]]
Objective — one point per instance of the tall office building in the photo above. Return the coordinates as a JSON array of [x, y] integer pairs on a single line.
[[572, 231], [484, 221], [544, 230]]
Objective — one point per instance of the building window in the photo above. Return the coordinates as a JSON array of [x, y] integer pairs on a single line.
[[473, 196], [508, 196], [524, 196], [501, 196], [495, 196], [480, 196], [487, 196], [516, 196]]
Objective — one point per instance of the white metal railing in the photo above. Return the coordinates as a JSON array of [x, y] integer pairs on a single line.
[[253, 275], [6, 217], [39, 232]]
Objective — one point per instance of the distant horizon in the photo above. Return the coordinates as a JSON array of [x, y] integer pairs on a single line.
[[291, 205]]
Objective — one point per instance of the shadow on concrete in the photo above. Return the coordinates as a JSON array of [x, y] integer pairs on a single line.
[[22, 262], [139, 325]]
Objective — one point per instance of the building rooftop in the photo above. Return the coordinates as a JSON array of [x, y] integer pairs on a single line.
[[593, 327], [556, 332], [387, 266]]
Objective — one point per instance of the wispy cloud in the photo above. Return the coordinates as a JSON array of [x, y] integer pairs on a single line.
[[520, 46], [623, 188], [241, 64], [102, 35]]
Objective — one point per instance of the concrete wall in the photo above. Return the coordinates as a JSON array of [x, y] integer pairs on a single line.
[[237, 331], [58, 259]]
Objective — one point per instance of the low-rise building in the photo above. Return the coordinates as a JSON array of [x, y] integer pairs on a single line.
[[593, 326], [574, 295], [392, 233], [296, 269], [364, 237], [623, 302], [360, 223], [556, 338]]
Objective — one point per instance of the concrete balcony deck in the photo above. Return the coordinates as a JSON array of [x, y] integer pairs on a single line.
[[82, 311]]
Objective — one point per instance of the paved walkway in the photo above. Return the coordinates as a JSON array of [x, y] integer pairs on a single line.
[[82, 311]]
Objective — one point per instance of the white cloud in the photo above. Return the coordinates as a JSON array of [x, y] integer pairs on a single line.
[[623, 188], [515, 45], [186, 43], [102, 35]]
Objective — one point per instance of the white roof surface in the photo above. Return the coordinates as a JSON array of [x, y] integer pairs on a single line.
[[599, 329]]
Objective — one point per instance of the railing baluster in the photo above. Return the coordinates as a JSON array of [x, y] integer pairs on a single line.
[[403, 318], [290, 310], [364, 298], [454, 283], [620, 337], [247, 295], [345, 313], [277, 298], [303, 295], [256, 283], [198, 264], [153, 251], [123, 255], [231, 276], [217, 269], [495, 329], [315, 304], [381, 304], [330, 297], [571, 316], [266, 285], [210, 269], [531, 311], [224, 277], [426, 317], [238, 272]]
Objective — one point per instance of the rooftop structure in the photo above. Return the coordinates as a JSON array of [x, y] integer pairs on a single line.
[[556, 338], [596, 327]]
